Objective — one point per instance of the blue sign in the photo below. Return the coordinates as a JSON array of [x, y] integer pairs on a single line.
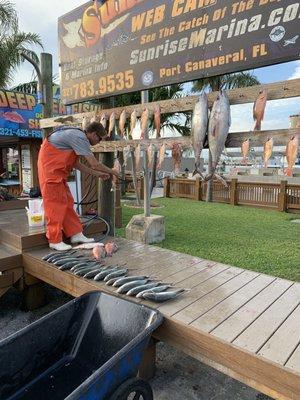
[[19, 115]]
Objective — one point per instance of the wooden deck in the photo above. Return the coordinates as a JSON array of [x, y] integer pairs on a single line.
[[243, 323]]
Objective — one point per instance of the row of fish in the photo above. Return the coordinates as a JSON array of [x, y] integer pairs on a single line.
[[116, 276], [111, 123], [291, 152]]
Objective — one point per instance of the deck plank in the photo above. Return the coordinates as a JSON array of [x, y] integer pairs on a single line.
[[240, 320], [257, 334], [215, 291], [213, 317], [294, 361], [211, 279], [285, 340]]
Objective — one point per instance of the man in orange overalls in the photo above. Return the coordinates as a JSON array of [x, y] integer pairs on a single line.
[[59, 154]]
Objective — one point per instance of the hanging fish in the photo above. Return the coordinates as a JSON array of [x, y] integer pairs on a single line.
[[94, 118], [157, 119], [144, 123], [103, 120], [138, 157], [133, 120], [245, 150], [291, 154], [126, 155], [150, 152], [84, 123], [161, 156], [112, 124], [218, 129], [177, 156], [259, 108], [122, 123], [268, 150], [199, 129]]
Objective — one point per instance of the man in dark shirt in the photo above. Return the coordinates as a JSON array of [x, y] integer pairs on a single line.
[[59, 154]]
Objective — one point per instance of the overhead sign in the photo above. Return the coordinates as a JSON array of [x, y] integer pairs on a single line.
[[128, 45], [20, 113]]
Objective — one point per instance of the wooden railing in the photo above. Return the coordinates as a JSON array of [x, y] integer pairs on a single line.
[[282, 197]]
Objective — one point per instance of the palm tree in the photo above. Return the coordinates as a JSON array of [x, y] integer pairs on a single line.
[[13, 43], [223, 82]]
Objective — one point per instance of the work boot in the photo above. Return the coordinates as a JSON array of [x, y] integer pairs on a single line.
[[60, 246], [80, 238]]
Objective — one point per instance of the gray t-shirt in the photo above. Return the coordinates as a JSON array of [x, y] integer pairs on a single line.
[[71, 139]]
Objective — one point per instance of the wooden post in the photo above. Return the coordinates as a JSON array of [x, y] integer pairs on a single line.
[[167, 187], [46, 89], [118, 208], [198, 189], [148, 367], [210, 183], [282, 200], [147, 194], [233, 192]]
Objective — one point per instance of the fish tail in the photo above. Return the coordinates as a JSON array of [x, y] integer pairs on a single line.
[[257, 125], [289, 171]]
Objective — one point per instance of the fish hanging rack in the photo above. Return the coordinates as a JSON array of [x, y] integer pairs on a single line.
[[276, 91]]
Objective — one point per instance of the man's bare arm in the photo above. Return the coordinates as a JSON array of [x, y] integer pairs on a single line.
[[97, 166]]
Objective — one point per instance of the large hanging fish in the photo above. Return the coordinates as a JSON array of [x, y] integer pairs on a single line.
[[122, 123], [245, 150], [291, 154], [161, 157], [144, 123], [268, 150], [133, 120], [199, 129], [259, 108], [218, 129], [112, 124], [157, 119], [177, 156]]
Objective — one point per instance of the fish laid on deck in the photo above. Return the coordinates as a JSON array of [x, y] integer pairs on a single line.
[[259, 109], [199, 129], [163, 296]]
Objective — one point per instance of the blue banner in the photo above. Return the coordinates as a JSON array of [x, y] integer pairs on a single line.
[[19, 115]]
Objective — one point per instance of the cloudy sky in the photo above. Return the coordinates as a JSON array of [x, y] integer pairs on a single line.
[[41, 17]]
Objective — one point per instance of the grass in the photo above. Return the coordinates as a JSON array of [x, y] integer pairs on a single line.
[[260, 240]]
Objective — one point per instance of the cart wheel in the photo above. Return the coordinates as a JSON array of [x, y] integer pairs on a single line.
[[133, 389]]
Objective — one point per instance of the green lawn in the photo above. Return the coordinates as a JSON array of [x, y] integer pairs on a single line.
[[264, 241]]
